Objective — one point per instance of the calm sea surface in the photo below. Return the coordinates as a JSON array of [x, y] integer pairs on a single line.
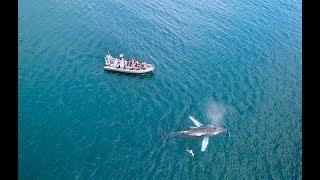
[[231, 63]]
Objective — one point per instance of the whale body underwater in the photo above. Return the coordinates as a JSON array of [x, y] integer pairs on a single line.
[[201, 130]]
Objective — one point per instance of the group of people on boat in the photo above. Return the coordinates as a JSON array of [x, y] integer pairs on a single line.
[[125, 64]]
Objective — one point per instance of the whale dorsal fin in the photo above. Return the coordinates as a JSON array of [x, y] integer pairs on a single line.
[[205, 143], [197, 123]]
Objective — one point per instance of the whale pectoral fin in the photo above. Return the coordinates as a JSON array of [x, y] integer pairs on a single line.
[[205, 143], [197, 123]]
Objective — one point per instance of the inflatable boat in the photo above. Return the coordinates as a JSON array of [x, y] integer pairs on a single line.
[[126, 66]]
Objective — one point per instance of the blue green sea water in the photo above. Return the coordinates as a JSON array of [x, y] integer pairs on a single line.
[[232, 63]]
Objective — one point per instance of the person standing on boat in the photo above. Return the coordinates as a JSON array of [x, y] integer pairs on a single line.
[[115, 63], [144, 65], [108, 60], [122, 64], [121, 61]]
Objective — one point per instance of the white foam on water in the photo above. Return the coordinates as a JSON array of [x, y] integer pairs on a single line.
[[215, 113]]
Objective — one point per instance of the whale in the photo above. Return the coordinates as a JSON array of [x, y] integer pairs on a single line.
[[200, 130]]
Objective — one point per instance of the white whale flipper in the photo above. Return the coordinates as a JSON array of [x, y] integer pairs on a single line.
[[197, 123], [205, 143]]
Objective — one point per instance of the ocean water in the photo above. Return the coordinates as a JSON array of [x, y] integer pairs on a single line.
[[235, 64]]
